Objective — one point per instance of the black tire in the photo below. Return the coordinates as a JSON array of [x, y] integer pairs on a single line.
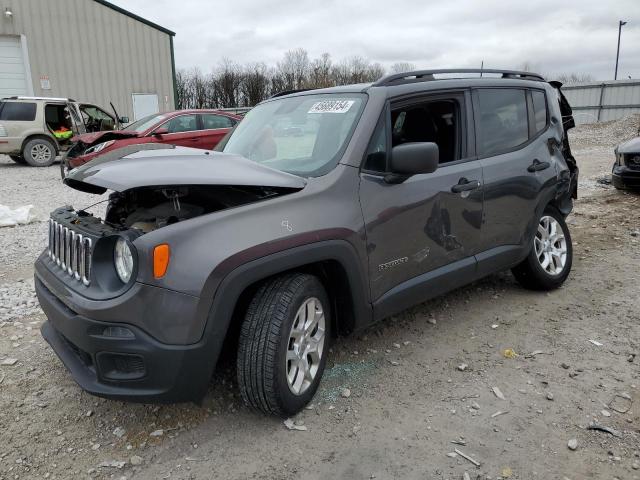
[[531, 274], [39, 152], [18, 159], [265, 339]]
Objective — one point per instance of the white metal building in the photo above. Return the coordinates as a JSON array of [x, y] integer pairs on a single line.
[[602, 101], [88, 50]]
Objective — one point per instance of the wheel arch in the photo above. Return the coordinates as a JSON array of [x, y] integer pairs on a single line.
[[43, 136], [334, 262]]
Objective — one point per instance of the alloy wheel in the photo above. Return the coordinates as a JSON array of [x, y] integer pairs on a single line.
[[550, 246], [40, 153], [305, 346]]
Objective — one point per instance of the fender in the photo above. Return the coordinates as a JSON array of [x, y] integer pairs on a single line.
[[228, 291]]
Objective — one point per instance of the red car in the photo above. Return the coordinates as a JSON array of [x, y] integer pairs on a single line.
[[188, 128]]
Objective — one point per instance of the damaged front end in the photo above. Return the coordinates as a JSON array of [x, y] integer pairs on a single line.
[[152, 188]]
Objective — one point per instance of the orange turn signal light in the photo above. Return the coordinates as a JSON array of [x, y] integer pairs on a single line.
[[161, 254]]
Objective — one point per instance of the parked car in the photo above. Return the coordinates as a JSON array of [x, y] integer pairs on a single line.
[[626, 169], [34, 130], [189, 128], [398, 191]]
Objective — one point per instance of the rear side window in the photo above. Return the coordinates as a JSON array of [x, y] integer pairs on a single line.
[[210, 121], [17, 111], [539, 110], [502, 120]]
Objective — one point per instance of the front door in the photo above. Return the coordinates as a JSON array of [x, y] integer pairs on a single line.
[[182, 130], [428, 221]]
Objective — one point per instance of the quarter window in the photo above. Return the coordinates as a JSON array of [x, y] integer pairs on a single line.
[[376, 159], [502, 120], [539, 109], [211, 122], [17, 111]]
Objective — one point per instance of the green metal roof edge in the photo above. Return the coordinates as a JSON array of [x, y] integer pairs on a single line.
[[135, 17]]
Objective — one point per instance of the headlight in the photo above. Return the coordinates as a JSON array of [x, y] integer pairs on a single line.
[[99, 147], [123, 259]]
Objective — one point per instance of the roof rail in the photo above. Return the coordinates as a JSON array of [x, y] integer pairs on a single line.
[[54, 99], [427, 75]]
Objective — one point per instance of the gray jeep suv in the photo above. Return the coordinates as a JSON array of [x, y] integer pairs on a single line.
[[323, 212]]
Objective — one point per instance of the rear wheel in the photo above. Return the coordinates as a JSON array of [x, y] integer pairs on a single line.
[[39, 152], [18, 159], [548, 264], [283, 344]]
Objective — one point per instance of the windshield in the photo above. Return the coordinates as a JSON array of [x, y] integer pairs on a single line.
[[145, 123], [304, 135]]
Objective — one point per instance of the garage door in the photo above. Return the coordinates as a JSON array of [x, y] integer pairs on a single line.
[[13, 76]]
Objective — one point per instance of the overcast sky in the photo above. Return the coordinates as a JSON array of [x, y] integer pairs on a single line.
[[555, 36]]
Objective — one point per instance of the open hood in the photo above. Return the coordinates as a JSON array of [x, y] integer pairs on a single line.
[[155, 165], [97, 137]]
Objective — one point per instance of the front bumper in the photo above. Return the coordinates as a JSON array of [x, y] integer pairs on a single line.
[[624, 177], [130, 366]]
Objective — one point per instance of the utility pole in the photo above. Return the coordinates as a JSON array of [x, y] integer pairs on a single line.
[[620, 24]]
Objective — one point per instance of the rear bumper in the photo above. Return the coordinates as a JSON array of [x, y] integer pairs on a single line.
[[11, 145], [124, 362], [623, 177]]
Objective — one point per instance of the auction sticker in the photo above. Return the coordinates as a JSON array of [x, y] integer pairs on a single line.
[[331, 106]]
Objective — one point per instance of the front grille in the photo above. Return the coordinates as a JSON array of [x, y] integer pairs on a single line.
[[71, 251]]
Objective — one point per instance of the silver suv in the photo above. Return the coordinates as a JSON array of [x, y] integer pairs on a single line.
[[34, 130]]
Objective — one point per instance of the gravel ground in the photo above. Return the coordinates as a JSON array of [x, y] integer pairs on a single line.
[[420, 385]]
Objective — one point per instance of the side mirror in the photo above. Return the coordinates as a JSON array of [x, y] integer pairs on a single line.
[[412, 159], [124, 120], [160, 131]]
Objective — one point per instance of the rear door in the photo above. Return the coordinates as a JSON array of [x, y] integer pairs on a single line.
[[429, 221], [214, 128], [512, 126]]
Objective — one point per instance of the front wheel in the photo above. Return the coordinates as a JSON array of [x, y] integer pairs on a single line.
[[549, 262], [283, 344]]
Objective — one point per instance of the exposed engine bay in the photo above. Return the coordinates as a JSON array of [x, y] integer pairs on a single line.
[[148, 208]]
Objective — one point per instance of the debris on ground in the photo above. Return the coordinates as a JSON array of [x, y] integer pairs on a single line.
[[10, 217], [604, 428], [291, 425], [345, 393], [498, 393], [596, 343], [572, 444], [467, 457], [119, 464], [621, 403], [509, 353]]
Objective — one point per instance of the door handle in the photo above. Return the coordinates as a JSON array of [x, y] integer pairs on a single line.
[[537, 166], [465, 185]]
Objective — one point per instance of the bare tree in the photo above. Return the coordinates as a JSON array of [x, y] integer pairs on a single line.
[[402, 67], [320, 72], [255, 84], [569, 78], [294, 69], [227, 80]]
